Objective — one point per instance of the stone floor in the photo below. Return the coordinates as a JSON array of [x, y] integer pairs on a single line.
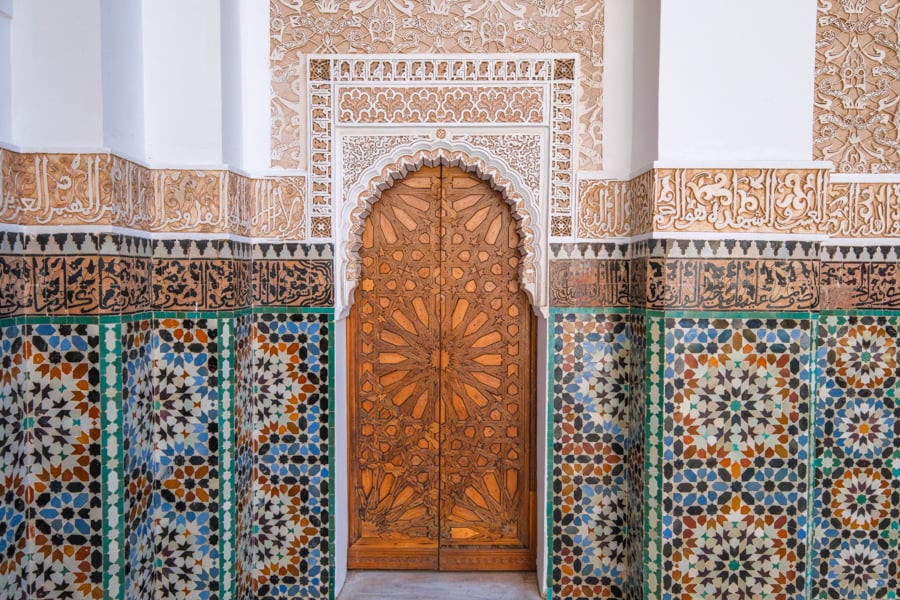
[[422, 585]]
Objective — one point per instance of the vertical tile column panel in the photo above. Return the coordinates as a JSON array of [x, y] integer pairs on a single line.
[[590, 394], [735, 395], [292, 487], [64, 467], [634, 452], [14, 427], [856, 502], [138, 427], [244, 454], [187, 466]]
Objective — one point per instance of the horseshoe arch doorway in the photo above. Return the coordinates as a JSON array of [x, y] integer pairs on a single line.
[[441, 383]]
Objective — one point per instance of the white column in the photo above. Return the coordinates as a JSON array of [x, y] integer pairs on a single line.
[[123, 77], [736, 80], [646, 101], [182, 83], [52, 82], [6, 13], [246, 114]]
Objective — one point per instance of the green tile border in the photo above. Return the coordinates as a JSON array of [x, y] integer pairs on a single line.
[[549, 441], [112, 469], [332, 479], [227, 459]]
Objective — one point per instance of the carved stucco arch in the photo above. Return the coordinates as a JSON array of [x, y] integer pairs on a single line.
[[525, 207]]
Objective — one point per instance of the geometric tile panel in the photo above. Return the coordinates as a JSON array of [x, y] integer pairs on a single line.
[[736, 395], [138, 482], [856, 501], [244, 459], [592, 379], [634, 452], [187, 462], [64, 463], [292, 485], [13, 412]]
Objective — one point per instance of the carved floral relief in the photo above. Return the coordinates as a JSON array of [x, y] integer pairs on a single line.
[[432, 27], [858, 85]]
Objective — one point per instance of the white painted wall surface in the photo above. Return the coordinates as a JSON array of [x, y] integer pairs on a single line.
[[182, 83], [6, 133], [55, 75], [246, 137], [123, 77], [736, 80], [618, 78], [645, 90]]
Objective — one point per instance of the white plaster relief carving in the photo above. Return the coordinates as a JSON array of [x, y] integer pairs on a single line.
[[359, 152], [416, 105], [521, 152], [349, 91], [435, 27], [525, 206], [856, 97]]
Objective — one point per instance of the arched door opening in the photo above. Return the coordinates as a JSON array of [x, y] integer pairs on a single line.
[[441, 383]]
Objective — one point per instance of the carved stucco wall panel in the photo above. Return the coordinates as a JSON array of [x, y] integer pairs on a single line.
[[355, 102], [431, 27], [858, 85]]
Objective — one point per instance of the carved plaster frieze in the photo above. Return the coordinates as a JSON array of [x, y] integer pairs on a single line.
[[739, 200], [439, 27], [102, 189], [440, 104], [863, 210], [531, 219]]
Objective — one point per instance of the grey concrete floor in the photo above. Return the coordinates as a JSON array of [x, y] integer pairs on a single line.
[[430, 585]]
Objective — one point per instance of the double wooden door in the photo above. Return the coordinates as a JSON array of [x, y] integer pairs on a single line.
[[441, 390]]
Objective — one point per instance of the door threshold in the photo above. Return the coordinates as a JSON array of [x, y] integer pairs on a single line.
[[440, 585]]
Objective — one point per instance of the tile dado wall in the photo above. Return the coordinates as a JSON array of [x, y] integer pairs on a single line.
[[724, 420], [164, 410]]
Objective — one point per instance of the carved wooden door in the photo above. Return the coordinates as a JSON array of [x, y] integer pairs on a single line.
[[441, 388]]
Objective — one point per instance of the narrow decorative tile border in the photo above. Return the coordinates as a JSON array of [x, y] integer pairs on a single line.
[[38, 189], [112, 472], [227, 507]]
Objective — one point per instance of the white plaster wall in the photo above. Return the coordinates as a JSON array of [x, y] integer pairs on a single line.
[[182, 83], [645, 89], [123, 77], [618, 77], [736, 80], [246, 138], [56, 97], [5, 77]]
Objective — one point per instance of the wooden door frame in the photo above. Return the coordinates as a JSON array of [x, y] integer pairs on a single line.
[[525, 203]]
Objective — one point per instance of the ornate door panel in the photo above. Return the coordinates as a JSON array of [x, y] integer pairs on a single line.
[[441, 392]]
